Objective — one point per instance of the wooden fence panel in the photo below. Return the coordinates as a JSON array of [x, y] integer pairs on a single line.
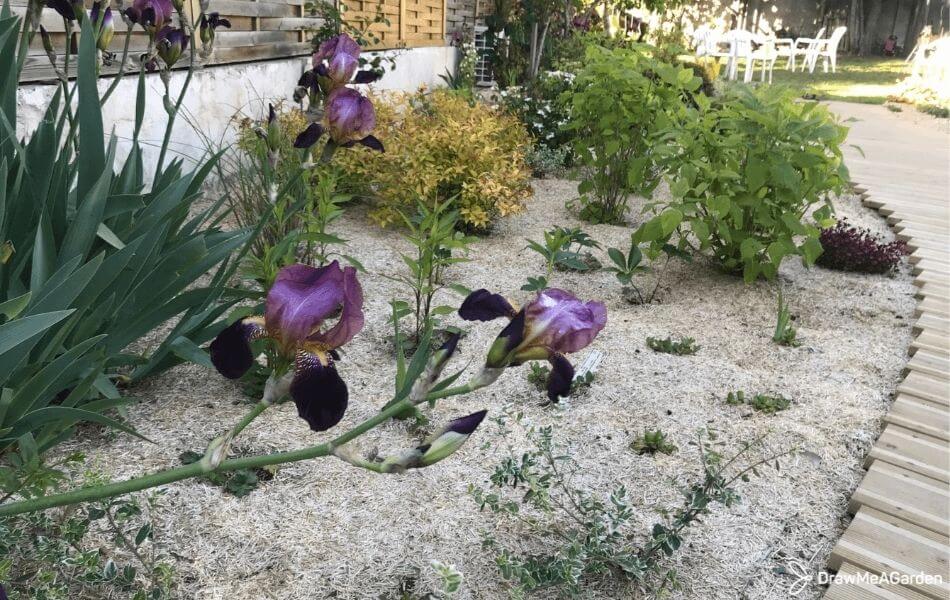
[[260, 30]]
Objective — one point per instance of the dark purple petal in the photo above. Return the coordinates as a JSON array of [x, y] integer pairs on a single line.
[[63, 7], [557, 320], [450, 345], [170, 43], [468, 424], [303, 297], [559, 381], [319, 392], [308, 79], [372, 142], [223, 23], [231, 351], [350, 115], [3, 593], [482, 305], [366, 76], [309, 136]]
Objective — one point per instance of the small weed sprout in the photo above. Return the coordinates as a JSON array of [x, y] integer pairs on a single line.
[[784, 332], [681, 347], [589, 535], [765, 403], [652, 442]]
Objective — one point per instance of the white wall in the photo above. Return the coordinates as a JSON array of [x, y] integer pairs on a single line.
[[218, 94]]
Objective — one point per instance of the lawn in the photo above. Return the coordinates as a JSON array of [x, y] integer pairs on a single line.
[[864, 80]]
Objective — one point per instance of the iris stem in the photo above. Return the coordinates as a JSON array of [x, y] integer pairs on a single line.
[[167, 476], [250, 416]]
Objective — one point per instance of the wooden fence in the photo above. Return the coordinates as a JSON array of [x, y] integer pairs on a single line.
[[260, 30]]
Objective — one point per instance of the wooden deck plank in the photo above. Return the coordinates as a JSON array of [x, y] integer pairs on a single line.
[[880, 543], [913, 451], [929, 362], [901, 493], [928, 340], [934, 389], [920, 415]]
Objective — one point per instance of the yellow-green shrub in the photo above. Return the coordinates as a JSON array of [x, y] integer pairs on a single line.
[[438, 146]]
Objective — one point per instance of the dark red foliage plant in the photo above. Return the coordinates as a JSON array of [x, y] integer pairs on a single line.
[[850, 248]]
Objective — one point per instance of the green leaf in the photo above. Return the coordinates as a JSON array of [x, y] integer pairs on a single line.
[[65, 416], [20, 330], [670, 220], [14, 306], [91, 144]]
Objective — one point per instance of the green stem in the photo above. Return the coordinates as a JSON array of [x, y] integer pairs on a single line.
[[181, 97], [121, 72], [250, 416], [195, 470]]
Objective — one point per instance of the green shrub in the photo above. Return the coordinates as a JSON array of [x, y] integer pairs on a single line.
[[95, 262], [625, 108], [652, 442], [544, 109], [750, 171], [439, 147]]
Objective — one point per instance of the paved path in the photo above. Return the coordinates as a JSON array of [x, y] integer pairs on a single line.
[[902, 506]]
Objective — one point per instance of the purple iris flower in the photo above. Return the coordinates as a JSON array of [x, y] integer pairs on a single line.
[[553, 324], [299, 303], [336, 61], [170, 43], [106, 28], [208, 24], [349, 119], [152, 15]]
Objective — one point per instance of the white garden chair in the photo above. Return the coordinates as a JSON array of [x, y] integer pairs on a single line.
[[805, 46], [827, 50], [706, 41], [742, 48]]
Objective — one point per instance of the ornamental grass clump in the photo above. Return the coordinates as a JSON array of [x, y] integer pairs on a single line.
[[440, 147], [849, 248]]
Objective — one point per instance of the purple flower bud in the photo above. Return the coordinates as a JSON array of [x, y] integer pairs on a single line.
[[106, 28], [170, 43], [152, 15], [63, 7], [208, 24], [47, 42], [342, 57]]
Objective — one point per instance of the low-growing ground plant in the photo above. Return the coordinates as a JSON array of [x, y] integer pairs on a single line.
[[565, 250], [752, 181], [51, 555], [681, 347], [849, 248], [766, 403], [238, 483], [652, 442], [540, 373], [785, 334], [579, 536]]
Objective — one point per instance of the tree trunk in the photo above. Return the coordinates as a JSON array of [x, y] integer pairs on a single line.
[[855, 22], [918, 18], [869, 31]]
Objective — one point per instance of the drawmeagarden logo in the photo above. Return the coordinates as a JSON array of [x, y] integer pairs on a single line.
[[804, 576]]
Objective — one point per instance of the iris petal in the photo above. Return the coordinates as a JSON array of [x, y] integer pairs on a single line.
[[366, 76], [301, 298], [351, 314], [309, 136], [557, 320], [559, 381], [319, 392], [482, 305], [231, 351], [372, 142]]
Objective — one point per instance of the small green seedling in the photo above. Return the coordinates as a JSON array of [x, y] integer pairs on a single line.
[[681, 347], [784, 332], [760, 402], [627, 266], [652, 442], [563, 249]]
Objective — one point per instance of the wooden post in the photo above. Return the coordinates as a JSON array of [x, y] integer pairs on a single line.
[[445, 12], [402, 21]]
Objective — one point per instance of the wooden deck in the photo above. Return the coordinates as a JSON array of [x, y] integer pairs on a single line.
[[902, 506]]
